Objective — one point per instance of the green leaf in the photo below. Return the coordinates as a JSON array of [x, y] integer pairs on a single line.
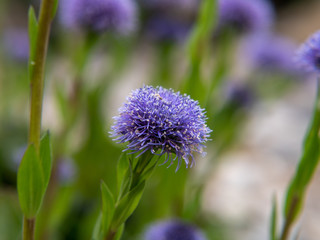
[[33, 33], [122, 169], [46, 158], [273, 222], [55, 8], [127, 205], [108, 207], [119, 232], [30, 183], [97, 233]]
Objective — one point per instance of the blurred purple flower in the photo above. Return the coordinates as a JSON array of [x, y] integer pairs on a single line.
[[245, 15], [155, 119], [308, 55], [173, 230], [269, 53], [66, 170], [119, 16], [172, 5], [165, 29], [239, 94], [16, 44]]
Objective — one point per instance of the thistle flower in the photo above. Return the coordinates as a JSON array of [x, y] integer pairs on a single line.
[[308, 55], [163, 121], [173, 230], [245, 15], [99, 15], [269, 53]]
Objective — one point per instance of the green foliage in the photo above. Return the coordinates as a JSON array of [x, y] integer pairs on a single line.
[[127, 205], [33, 33], [46, 157], [273, 220], [30, 183], [108, 206]]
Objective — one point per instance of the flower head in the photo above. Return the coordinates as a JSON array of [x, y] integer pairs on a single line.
[[173, 230], [269, 53], [99, 15], [308, 55], [164, 121], [245, 15]]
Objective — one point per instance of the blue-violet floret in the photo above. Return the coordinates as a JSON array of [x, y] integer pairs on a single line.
[[308, 55], [245, 15], [173, 230], [162, 121], [99, 15]]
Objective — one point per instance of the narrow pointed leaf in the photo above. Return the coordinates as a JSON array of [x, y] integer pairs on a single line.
[[46, 158], [127, 205], [97, 233], [119, 232], [55, 8], [273, 222], [33, 33], [30, 183], [108, 206]]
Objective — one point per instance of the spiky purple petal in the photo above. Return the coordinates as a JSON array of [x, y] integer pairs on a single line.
[[163, 121]]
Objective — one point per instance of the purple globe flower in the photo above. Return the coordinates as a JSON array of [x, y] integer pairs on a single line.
[[162, 121], [269, 53], [245, 15], [173, 230], [99, 15], [308, 55]]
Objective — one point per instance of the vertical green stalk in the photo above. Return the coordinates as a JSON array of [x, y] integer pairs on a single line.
[[36, 90], [298, 186]]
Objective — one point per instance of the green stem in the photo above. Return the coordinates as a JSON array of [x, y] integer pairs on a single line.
[[28, 228], [37, 76], [289, 220], [111, 235], [36, 89]]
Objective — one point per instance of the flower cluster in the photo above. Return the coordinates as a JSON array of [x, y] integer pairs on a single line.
[[99, 15], [267, 52], [308, 55], [245, 15], [164, 121], [173, 230]]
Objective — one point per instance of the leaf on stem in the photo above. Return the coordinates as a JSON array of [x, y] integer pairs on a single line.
[[30, 183], [127, 205], [273, 220], [46, 158], [108, 207]]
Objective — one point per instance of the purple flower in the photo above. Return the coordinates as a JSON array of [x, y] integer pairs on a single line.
[[166, 29], [164, 121], [172, 5], [239, 94], [308, 55], [99, 15], [269, 53], [66, 170], [173, 230], [16, 43], [245, 15]]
